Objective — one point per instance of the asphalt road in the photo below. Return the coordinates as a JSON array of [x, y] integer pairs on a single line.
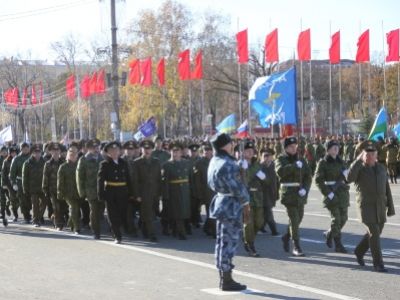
[[41, 263]]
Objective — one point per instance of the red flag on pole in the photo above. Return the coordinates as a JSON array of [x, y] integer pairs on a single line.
[[198, 67], [24, 97], [242, 47], [101, 82], [33, 95], [85, 87], [161, 72], [93, 84], [184, 65], [70, 87], [15, 94], [134, 72], [8, 96], [271, 46], [334, 50], [145, 70], [41, 93], [392, 39], [304, 45], [363, 47]]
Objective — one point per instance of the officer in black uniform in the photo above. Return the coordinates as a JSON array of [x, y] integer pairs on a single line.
[[114, 187]]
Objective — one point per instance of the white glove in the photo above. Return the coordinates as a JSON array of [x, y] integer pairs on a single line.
[[15, 187], [302, 192], [243, 164], [299, 164], [331, 195], [261, 175], [345, 172]]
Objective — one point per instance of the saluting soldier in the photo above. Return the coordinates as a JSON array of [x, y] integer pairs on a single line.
[[114, 188], [3, 198], [16, 181], [295, 178], [330, 178], [175, 174], [67, 189], [49, 185], [147, 187], [374, 203], [86, 180], [6, 183], [32, 176]]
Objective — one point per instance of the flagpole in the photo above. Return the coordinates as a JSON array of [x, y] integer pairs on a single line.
[[340, 99], [190, 108], [79, 108], [330, 88], [89, 104], [313, 123], [384, 65], [240, 86], [248, 102], [202, 104], [369, 86], [359, 86], [41, 123], [163, 113]]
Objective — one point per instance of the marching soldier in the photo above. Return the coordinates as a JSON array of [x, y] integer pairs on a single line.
[[49, 185], [162, 155], [319, 149], [195, 217], [348, 151], [310, 156], [6, 183], [330, 179], [295, 178], [374, 201], [16, 181], [278, 146], [67, 189], [114, 187], [392, 149], [3, 198], [32, 176], [147, 187], [86, 180]]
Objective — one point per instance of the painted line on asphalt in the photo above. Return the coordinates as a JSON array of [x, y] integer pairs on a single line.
[[327, 216], [351, 201], [351, 191], [207, 265]]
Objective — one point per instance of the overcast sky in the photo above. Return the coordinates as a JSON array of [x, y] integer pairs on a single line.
[[29, 26]]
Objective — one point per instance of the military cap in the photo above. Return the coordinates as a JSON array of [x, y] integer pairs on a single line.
[[147, 144], [23, 145], [54, 146], [249, 145], [92, 143], [36, 148], [267, 150], [370, 146], [112, 145], [130, 145], [332, 143], [206, 146], [194, 147], [220, 140], [289, 141], [175, 146], [12, 149], [3, 148], [157, 138]]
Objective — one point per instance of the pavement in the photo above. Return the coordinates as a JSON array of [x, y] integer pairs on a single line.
[[42, 263]]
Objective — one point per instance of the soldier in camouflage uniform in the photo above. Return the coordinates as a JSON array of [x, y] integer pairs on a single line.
[[86, 180], [32, 176], [6, 183], [49, 185], [319, 149], [348, 151], [231, 201], [3, 198], [67, 189], [380, 146], [392, 149], [330, 179], [310, 156], [195, 217], [295, 178], [16, 181], [359, 147]]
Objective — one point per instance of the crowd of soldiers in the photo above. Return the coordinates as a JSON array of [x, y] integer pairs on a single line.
[[138, 183]]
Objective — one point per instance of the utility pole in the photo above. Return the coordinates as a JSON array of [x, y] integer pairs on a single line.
[[116, 123]]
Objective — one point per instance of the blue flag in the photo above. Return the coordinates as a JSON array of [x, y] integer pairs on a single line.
[[147, 129], [227, 125], [379, 129], [273, 98], [396, 130]]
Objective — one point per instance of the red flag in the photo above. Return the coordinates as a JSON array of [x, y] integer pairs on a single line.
[[161, 72], [392, 39], [363, 47], [24, 97], [271, 46], [134, 72], [101, 82], [8, 96], [11, 96], [242, 47], [93, 84], [15, 94], [198, 67], [184, 65], [145, 70], [41, 93], [33, 95], [304, 45], [70, 87], [334, 50], [85, 87], [287, 130]]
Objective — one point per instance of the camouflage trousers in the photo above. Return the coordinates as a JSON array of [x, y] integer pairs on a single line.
[[295, 214], [256, 222], [226, 243], [338, 220], [392, 168]]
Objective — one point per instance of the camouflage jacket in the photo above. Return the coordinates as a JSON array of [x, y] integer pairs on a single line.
[[66, 181], [49, 183], [32, 175], [254, 184], [86, 176], [224, 178], [5, 171], [348, 151], [16, 167]]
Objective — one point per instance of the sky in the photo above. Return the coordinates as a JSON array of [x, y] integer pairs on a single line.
[[28, 27]]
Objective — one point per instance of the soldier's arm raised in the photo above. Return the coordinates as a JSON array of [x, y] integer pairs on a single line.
[[354, 170]]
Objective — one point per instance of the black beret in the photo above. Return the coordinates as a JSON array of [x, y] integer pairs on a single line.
[[289, 141], [147, 144], [332, 143], [113, 144], [268, 150], [220, 140]]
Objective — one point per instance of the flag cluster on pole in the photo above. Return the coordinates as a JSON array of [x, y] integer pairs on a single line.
[[12, 96], [90, 85]]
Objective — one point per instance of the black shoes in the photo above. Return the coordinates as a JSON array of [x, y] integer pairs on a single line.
[[360, 259], [339, 246], [328, 238], [285, 241], [297, 249], [228, 284]]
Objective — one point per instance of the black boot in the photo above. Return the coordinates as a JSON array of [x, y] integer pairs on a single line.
[[228, 284], [285, 241], [328, 238], [395, 179], [297, 249], [15, 213], [361, 249], [8, 212], [391, 178], [253, 250], [272, 226], [379, 267], [339, 246]]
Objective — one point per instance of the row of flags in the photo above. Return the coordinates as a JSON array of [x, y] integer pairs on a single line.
[[304, 47], [228, 125], [90, 85], [12, 96]]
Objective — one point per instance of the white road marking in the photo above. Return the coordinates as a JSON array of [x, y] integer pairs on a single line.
[[218, 292]]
